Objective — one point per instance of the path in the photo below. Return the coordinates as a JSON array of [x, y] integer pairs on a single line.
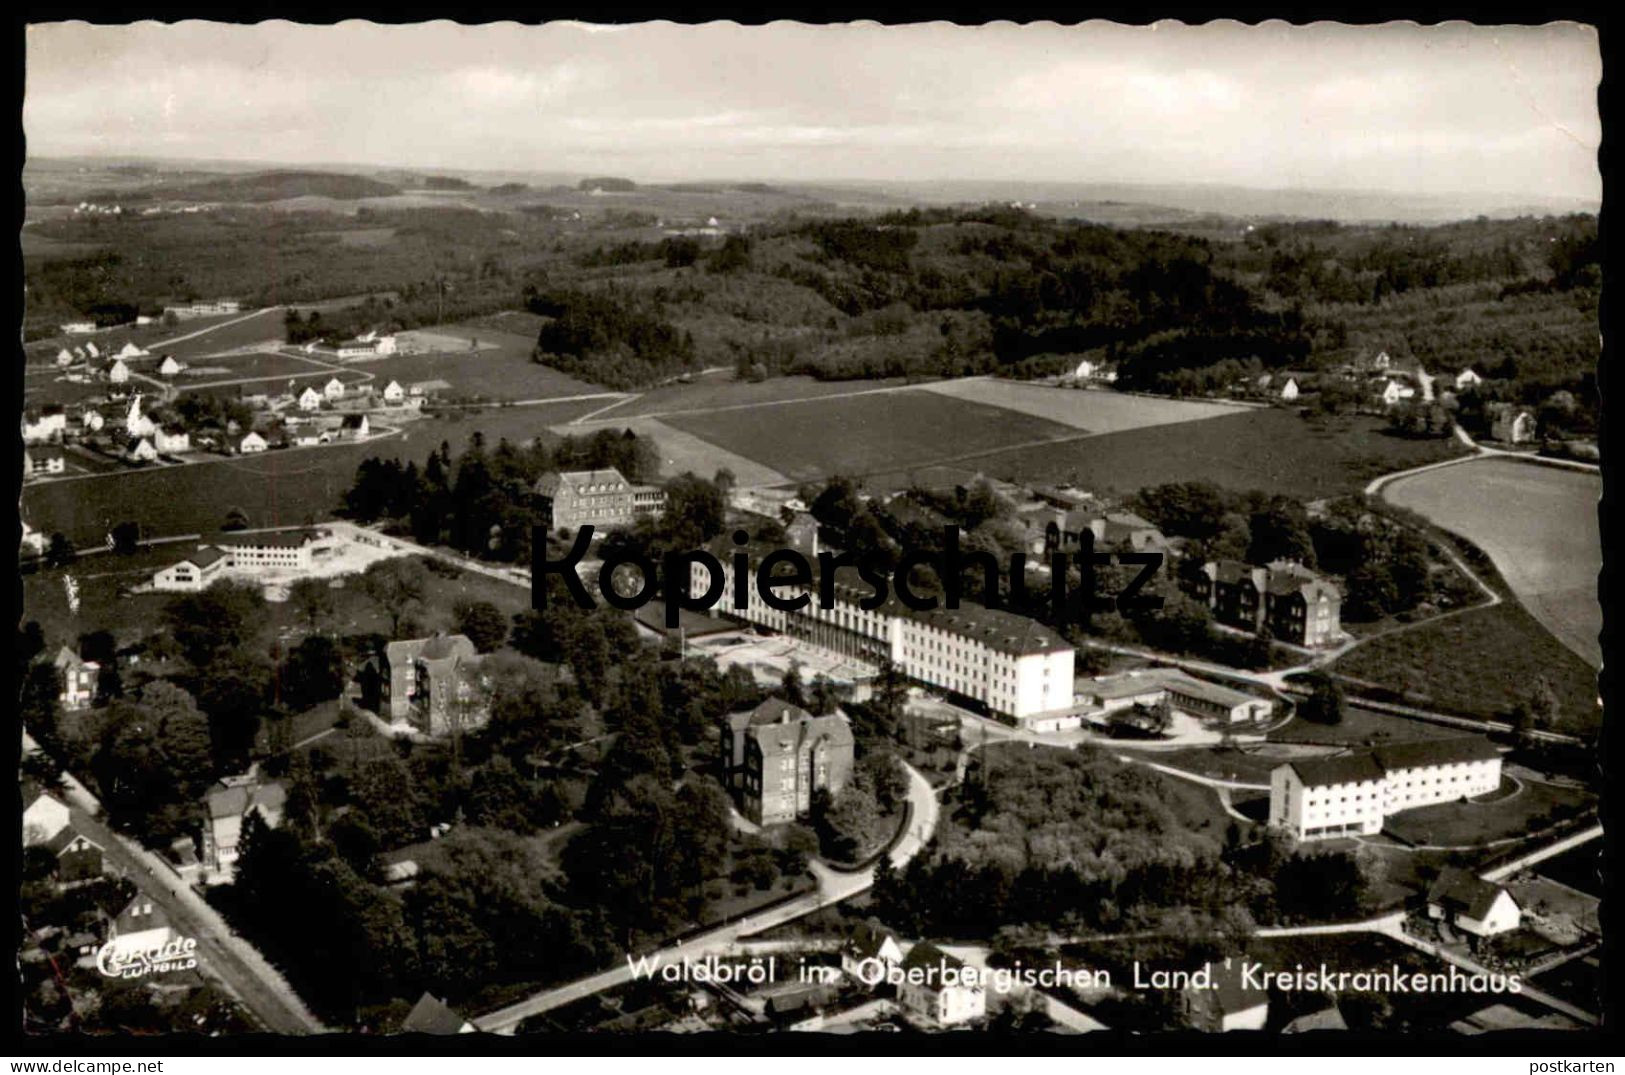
[[834, 886], [1542, 854], [237, 964]]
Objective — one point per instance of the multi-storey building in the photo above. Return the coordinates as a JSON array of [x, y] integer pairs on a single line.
[[1013, 666], [226, 807], [774, 757], [602, 499], [282, 550], [1293, 603], [1348, 795], [79, 678], [432, 682]]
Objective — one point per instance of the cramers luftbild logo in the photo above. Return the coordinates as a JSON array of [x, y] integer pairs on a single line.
[[1067, 603], [118, 960]]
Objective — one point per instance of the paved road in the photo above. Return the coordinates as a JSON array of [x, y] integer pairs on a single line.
[[1544, 853], [833, 887], [222, 954]]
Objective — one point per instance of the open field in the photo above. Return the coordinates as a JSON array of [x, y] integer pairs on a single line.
[[1270, 449], [682, 452], [231, 367], [1360, 727], [716, 390], [1091, 411], [860, 434], [494, 373], [1537, 523], [1475, 823], [278, 488], [1480, 662]]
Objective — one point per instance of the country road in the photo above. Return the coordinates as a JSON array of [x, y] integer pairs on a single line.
[[240, 967], [833, 887]]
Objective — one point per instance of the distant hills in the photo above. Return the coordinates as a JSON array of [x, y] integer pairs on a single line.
[[272, 186]]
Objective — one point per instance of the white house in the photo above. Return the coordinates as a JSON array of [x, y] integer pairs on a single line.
[[141, 927], [1091, 370], [79, 678], [393, 392], [252, 443], [137, 424], [169, 367], [333, 390], [79, 328], [90, 349], [1394, 391], [1468, 378], [43, 818], [141, 451], [130, 350], [310, 400], [118, 373], [172, 439], [1472, 904], [1289, 391], [1351, 794], [1511, 425], [1226, 1000], [92, 421], [196, 572], [307, 437], [46, 424], [40, 461], [64, 357], [227, 805], [940, 987], [868, 953]]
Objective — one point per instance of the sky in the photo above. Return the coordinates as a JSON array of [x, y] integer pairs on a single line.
[[1448, 109]]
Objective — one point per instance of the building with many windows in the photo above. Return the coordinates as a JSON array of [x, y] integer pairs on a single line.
[[1292, 602], [774, 757], [602, 499], [1014, 667], [1351, 794]]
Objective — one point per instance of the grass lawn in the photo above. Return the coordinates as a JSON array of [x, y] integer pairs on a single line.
[[865, 434], [231, 367], [1222, 764], [1479, 663], [1360, 727], [275, 489], [715, 390], [1270, 449], [494, 373], [1091, 411], [1471, 823]]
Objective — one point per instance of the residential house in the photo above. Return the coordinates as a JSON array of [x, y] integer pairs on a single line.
[[252, 443], [78, 857], [598, 498], [868, 953], [801, 533], [90, 349], [333, 390], [394, 393], [431, 1016], [1468, 378], [142, 926], [169, 367], [310, 399], [1393, 392], [140, 450], [354, 427], [118, 372], [171, 438], [1510, 424], [92, 421], [43, 817], [79, 678], [79, 328], [64, 358], [1289, 391], [1329, 1018], [1293, 603], [307, 437], [431, 682], [44, 425], [941, 988], [38, 462], [1351, 794], [428, 388], [197, 572], [1226, 1002], [137, 424], [775, 756], [1095, 370], [130, 350], [1471, 904], [226, 806]]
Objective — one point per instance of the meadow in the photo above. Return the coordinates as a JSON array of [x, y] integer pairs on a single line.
[[863, 434], [279, 488], [1539, 526], [1091, 411]]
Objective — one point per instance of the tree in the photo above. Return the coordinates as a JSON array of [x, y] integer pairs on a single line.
[[126, 537], [483, 623], [236, 519], [396, 586], [312, 673], [227, 617], [312, 599], [383, 787], [1325, 702], [60, 552]]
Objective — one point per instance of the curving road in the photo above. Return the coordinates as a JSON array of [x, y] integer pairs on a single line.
[[833, 887]]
